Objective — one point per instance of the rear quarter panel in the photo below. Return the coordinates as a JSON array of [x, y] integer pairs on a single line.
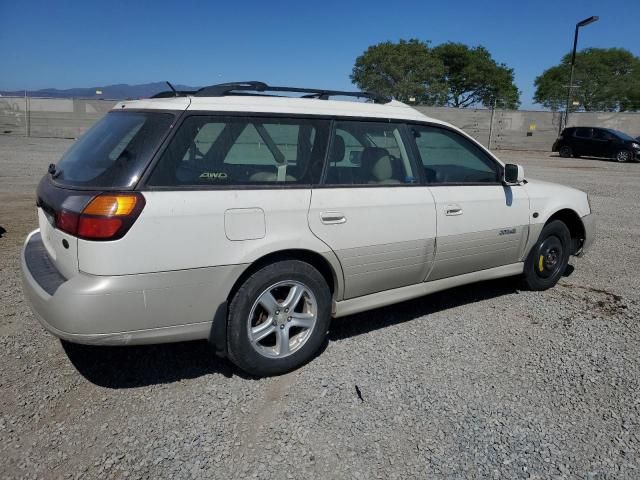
[[180, 230]]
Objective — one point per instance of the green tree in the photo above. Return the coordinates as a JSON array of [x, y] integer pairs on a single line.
[[472, 77], [450, 74], [402, 70], [606, 79]]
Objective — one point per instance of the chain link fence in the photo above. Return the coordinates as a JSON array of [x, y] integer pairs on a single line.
[[50, 117], [527, 130], [497, 129]]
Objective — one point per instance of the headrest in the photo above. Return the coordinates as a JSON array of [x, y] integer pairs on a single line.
[[377, 162], [337, 149]]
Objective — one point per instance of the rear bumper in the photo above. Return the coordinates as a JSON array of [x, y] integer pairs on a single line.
[[589, 223], [127, 309]]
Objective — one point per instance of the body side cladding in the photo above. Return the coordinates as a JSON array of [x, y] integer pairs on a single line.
[[389, 297]]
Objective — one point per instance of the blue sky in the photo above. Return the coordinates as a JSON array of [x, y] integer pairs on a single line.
[[82, 44]]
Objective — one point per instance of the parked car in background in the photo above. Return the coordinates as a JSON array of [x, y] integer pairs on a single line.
[[251, 220], [597, 142]]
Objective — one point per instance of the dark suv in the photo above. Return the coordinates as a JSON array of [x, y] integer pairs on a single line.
[[597, 142]]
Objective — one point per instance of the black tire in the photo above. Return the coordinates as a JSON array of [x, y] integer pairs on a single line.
[[548, 258], [565, 151], [624, 156], [244, 303]]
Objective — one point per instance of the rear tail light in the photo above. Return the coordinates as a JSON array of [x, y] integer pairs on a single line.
[[106, 217]]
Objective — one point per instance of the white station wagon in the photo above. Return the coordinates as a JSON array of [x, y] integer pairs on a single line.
[[250, 219]]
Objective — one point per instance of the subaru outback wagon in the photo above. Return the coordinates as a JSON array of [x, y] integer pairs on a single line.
[[250, 219]]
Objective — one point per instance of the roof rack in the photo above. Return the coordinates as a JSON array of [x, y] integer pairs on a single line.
[[239, 88]]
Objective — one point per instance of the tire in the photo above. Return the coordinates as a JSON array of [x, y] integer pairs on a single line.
[[279, 318], [624, 156], [549, 257], [565, 151]]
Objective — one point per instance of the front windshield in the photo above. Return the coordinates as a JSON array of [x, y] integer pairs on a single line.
[[114, 152]]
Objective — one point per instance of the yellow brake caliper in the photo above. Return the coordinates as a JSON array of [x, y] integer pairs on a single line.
[[541, 263]]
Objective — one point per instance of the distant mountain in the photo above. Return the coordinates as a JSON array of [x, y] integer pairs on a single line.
[[112, 92]]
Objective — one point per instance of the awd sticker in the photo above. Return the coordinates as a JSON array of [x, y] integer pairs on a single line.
[[214, 175], [507, 231]]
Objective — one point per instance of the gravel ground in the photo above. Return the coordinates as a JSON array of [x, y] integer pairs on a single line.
[[484, 381]]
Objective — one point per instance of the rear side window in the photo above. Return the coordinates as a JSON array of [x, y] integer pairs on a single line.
[[217, 150], [582, 132], [448, 157], [114, 152], [368, 153]]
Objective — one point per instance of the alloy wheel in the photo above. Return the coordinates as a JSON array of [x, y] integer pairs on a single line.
[[282, 319], [623, 156]]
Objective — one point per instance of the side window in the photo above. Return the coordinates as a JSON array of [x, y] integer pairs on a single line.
[[368, 153], [601, 134], [215, 150], [448, 157], [582, 132]]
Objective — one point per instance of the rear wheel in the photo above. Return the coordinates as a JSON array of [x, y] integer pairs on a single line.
[[565, 151], [549, 257], [623, 156], [278, 318]]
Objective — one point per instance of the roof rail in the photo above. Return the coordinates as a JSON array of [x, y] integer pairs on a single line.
[[237, 88]]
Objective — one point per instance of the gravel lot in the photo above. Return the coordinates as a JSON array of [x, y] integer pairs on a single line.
[[483, 381]]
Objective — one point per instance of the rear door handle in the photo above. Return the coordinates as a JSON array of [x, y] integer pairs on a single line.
[[332, 218], [453, 210]]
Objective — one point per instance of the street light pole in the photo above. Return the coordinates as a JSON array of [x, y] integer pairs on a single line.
[[582, 23]]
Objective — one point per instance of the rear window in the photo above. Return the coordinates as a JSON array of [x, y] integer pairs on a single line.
[[114, 152]]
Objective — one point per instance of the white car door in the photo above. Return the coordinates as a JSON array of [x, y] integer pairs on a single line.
[[481, 222], [371, 209]]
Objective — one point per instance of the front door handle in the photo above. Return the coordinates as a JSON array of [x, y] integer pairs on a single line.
[[333, 218], [453, 210]]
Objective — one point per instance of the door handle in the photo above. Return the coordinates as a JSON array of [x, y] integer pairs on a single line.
[[453, 210], [333, 218]]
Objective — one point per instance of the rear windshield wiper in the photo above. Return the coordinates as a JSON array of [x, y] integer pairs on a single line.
[[53, 170]]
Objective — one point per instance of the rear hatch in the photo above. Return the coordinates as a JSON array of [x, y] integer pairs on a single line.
[[109, 158]]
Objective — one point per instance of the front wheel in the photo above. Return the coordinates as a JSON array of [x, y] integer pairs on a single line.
[[623, 156], [278, 318], [548, 258]]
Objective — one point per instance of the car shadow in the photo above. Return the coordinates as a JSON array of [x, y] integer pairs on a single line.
[[122, 367], [133, 366]]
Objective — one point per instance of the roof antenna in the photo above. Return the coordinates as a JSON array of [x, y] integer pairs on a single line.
[[173, 89]]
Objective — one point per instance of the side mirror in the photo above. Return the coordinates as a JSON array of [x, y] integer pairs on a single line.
[[513, 174]]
